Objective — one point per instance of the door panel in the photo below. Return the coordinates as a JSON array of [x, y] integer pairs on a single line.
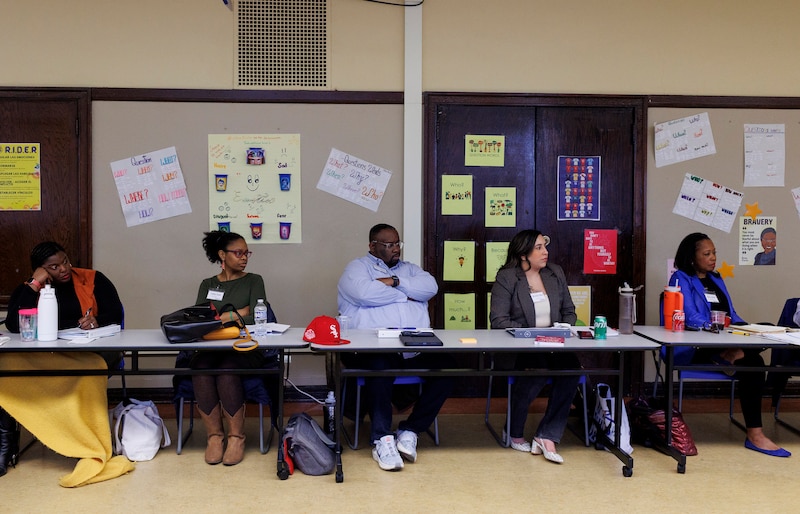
[[59, 122]]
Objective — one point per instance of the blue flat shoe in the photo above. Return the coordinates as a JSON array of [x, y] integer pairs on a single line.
[[780, 452]]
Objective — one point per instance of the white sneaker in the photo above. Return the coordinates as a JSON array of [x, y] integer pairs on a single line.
[[407, 445], [385, 454]]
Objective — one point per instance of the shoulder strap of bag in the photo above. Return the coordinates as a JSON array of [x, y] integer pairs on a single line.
[[318, 431], [246, 343]]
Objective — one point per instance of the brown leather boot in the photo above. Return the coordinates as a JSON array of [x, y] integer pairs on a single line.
[[215, 435], [234, 452]]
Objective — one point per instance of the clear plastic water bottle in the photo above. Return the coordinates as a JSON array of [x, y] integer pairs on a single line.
[[47, 322], [329, 414], [260, 315]]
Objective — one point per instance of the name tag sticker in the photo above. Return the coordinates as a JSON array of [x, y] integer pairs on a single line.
[[215, 294], [711, 297], [538, 297]]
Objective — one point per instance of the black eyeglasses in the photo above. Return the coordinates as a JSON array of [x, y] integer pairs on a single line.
[[239, 253], [389, 246]]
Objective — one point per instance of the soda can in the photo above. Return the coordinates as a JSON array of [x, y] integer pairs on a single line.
[[678, 321], [600, 326]]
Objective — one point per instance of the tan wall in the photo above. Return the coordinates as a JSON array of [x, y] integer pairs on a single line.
[[616, 46]]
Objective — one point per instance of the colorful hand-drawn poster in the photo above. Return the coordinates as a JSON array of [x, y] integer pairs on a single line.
[[495, 258], [20, 177], [707, 202], [764, 155], [254, 186], [683, 139], [457, 195], [151, 187], [501, 207], [354, 180], [484, 150], [582, 298], [758, 240], [600, 252], [459, 261], [578, 188], [459, 311]]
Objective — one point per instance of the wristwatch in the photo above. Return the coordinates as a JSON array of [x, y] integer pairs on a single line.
[[395, 281]]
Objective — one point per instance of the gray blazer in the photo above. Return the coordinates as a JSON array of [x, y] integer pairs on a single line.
[[512, 306]]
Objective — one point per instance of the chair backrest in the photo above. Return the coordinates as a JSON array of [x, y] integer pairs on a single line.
[[787, 315]]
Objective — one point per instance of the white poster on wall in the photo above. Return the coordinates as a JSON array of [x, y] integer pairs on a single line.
[[354, 179], [764, 155], [151, 186], [709, 203], [683, 139]]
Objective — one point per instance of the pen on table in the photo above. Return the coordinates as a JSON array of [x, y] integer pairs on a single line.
[[738, 332]]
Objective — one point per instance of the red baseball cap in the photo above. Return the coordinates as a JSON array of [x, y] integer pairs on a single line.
[[324, 330]]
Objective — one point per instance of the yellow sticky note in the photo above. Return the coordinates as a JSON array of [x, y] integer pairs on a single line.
[[468, 340]]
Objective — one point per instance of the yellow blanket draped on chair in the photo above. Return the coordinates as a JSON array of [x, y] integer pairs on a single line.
[[67, 414]]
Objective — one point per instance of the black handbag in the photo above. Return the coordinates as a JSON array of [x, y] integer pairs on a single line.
[[192, 324]]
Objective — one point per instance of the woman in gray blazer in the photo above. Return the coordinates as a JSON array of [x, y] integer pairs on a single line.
[[529, 291]]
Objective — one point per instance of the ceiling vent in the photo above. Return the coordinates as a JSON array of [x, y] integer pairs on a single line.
[[282, 44]]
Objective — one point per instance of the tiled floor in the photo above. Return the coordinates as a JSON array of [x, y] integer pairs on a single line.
[[469, 472]]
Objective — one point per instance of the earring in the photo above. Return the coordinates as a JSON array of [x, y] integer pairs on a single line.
[[222, 265]]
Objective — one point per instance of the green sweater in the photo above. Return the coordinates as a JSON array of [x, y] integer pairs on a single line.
[[240, 292]]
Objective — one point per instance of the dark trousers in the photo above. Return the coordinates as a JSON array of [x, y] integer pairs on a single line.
[[751, 383], [378, 390], [527, 388]]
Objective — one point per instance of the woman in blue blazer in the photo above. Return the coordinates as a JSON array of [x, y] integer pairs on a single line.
[[703, 291]]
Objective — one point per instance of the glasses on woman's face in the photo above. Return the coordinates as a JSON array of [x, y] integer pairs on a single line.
[[240, 253]]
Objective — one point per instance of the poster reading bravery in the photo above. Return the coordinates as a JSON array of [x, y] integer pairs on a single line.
[[151, 187], [254, 186], [578, 188]]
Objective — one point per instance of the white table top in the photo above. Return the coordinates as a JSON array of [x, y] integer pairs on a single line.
[[147, 340], [703, 338], [487, 341]]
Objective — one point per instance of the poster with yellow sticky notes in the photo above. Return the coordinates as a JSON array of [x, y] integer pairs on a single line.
[[501, 207], [582, 298], [459, 311], [495, 258], [484, 150], [459, 261], [456, 195]]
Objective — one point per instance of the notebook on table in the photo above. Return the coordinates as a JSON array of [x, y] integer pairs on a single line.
[[422, 338]]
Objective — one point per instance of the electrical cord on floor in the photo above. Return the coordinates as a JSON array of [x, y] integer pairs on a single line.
[[303, 392]]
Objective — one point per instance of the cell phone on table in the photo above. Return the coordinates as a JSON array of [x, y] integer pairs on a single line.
[[585, 334]]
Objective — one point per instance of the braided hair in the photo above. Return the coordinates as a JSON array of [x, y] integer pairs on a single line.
[[44, 251]]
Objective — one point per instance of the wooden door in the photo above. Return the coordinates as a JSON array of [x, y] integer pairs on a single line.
[[59, 122], [537, 130]]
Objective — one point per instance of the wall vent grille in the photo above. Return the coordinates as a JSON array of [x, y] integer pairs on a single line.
[[281, 44]]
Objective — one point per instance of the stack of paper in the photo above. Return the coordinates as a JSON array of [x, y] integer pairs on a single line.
[[759, 329]]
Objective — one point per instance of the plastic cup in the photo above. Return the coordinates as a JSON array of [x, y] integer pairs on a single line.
[[718, 320], [285, 181], [344, 325], [285, 229], [256, 230], [27, 324], [221, 181]]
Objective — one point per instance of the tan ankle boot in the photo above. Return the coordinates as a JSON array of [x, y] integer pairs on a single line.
[[215, 435], [234, 452]]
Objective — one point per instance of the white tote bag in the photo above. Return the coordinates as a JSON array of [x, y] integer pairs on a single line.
[[139, 431], [604, 418]]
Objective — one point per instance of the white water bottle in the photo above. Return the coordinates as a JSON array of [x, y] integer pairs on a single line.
[[260, 315], [329, 414], [47, 324]]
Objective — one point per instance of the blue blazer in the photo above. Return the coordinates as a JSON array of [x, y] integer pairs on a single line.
[[695, 305]]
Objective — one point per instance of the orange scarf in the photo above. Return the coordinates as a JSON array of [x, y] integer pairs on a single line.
[[83, 279]]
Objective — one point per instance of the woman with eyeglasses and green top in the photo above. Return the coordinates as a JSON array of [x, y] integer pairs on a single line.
[[223, 395]]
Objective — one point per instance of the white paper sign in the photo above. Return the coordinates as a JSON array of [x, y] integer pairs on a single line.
[[683, 139], [764, 155], [709, 203], [151, 187], [354, 180]]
